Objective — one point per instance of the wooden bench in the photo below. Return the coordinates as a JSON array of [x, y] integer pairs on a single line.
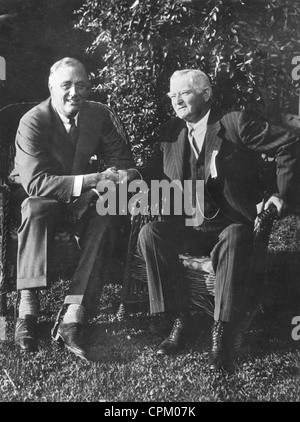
[[276, 267], [278, 245], [197, 271]]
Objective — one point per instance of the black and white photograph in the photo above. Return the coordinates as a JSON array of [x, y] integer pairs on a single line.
[[149, 203]]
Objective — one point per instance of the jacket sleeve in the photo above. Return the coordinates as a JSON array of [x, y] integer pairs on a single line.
[[279, 142], [38, 173], [154, 168], [115, 149]]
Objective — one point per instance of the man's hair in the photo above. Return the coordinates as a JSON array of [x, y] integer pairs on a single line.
[[198, 78], [65, 62]]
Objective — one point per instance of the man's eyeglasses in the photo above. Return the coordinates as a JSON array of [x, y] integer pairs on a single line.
[[181, 94], [79, 86]]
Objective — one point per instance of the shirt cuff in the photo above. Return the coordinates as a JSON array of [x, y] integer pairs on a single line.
[[95, 190], [77, 187]]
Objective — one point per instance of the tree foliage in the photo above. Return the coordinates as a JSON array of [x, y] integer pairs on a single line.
[[244, 46]]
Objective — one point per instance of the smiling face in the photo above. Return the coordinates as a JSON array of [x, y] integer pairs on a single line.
[[68, 87], [189, 103]]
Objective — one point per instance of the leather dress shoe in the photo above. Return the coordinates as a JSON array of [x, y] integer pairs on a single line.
[[221, 353], [71, 336], [26, 333], [174, 341]]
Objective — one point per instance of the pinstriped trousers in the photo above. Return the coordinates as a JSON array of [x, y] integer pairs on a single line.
[[98, 236], [231, 251]]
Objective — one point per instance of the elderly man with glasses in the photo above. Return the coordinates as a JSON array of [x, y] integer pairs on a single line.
[[222, 149]]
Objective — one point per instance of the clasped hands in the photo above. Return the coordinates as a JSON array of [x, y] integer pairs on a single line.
[[117, 176], [76, 209]]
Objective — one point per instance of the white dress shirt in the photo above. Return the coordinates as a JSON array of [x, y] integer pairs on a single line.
[[78, 180], [197, 131]]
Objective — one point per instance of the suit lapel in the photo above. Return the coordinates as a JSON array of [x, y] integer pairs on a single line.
[[87, 141], [174, 151], [61, 146], [213, 143], [178, 154]]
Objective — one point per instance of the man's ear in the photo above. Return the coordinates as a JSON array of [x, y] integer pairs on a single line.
[[206, 95]]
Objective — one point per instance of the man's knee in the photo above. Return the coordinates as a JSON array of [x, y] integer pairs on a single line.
[[37, 207], [237, 234], [148, 230], [147, 233]]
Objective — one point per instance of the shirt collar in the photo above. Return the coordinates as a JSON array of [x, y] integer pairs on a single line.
[[64, 119], [202, 124]]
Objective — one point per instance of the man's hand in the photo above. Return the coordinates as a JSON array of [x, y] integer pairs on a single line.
[[76, 209], [91, 180], [109, 174], [117, 176], [279, 203], [126, 176]]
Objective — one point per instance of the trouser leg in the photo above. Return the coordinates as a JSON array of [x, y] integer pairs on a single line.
[[159, 244], [98, 238], [231, 260], [39, 218]]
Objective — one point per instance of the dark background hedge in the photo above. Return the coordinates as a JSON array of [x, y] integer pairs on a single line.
[[131, 48]]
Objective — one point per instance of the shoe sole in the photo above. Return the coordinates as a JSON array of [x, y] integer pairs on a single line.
[[168, 353], [60, 341], [76, 353], [34, 349]]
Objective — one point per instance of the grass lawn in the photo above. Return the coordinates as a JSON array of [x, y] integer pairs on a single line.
[[124, 367]]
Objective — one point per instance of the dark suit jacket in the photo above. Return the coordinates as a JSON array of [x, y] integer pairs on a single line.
[[46, 160], [237, 141]]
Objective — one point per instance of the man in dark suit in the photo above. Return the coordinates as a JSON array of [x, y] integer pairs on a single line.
[[54, 144], [223, 150]]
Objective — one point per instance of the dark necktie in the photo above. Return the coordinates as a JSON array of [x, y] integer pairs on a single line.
[[73, 133]]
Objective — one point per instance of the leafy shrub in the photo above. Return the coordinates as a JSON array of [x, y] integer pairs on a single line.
[[245, 47]]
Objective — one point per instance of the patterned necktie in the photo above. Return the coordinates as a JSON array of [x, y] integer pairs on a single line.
[[194, 142], [73, 132]]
